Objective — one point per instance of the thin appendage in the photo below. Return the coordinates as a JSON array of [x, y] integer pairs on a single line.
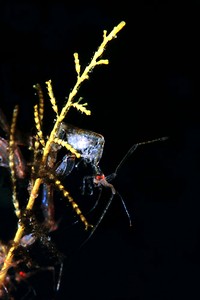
[[89, 180], [114, 192], [47, 206], [30, 290], [126, 210], [103, 215], [96, 202], [25, 276], [92, 209], [59, 277], [56, 280], [130, 151], [99, 221], [133, 148], [4, 293]]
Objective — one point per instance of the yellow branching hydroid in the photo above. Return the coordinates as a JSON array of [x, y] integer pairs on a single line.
[[81, 107], [38, 126], [75, 207], [81, 77], [12, 166], [41, 101], [67, 146], [51, 96]]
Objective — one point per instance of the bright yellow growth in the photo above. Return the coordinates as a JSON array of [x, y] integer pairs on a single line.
[[12, 163], [53, 138]]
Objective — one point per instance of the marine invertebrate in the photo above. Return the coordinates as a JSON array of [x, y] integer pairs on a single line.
[[43, 171]]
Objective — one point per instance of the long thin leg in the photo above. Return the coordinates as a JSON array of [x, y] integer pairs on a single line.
[[134, 147], [103, 214], [125, 208], [99, 221], [91, 210], [59, 277]]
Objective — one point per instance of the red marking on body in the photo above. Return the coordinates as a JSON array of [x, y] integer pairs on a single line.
[[22, 274], [100, 177]]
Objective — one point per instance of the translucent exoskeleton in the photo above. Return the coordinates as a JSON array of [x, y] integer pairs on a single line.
[[91, 145]]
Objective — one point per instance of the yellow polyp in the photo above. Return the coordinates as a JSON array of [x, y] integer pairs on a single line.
[[83, 219], [81, 108], [74, 205], [61, 187], [103, 62], [116, 29], [70, 199], [67, 146], [11, 164], [87, 225], [77, 63], [86, 77], [36, 144], [78, 211], [65, 193]]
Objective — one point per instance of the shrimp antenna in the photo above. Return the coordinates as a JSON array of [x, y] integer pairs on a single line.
[[133, 148]]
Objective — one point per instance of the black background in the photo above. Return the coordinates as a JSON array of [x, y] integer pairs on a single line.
[[149, 89]]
